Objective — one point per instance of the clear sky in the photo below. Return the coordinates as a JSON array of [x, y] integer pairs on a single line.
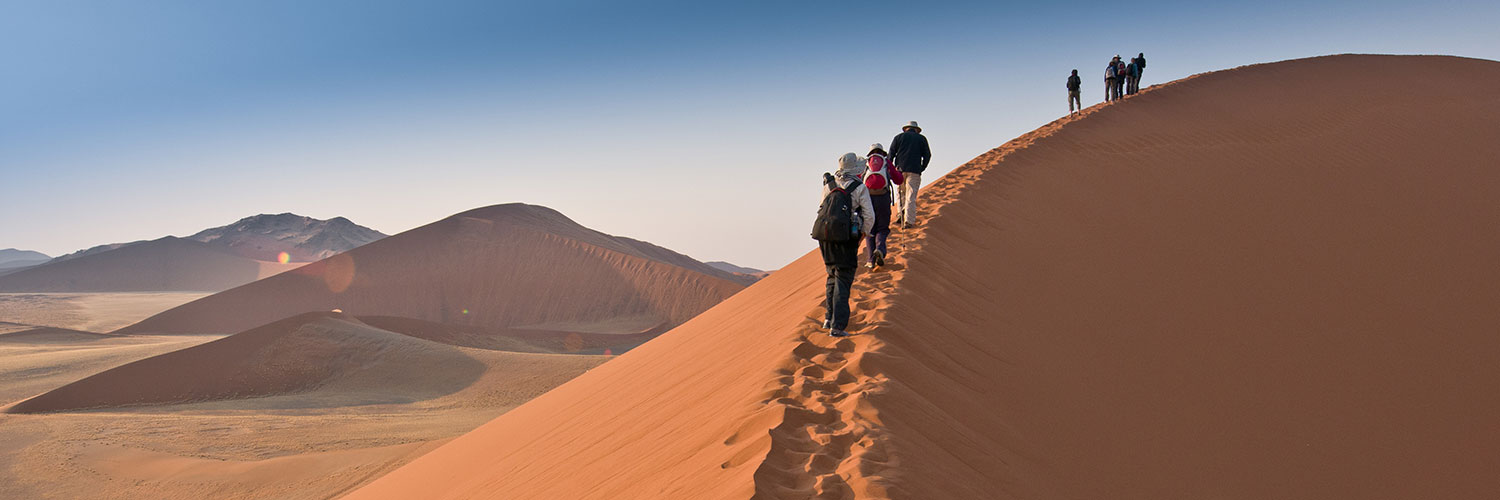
[[701, 126]]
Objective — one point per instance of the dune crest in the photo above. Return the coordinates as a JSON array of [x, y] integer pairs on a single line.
[[302, 353], [505, 266], [1216, 287]]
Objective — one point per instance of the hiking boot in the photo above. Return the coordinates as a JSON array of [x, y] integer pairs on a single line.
[[838, 333], [878, 258], [827, 324]]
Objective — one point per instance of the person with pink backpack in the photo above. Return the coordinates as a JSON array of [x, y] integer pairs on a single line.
[[880, 175]]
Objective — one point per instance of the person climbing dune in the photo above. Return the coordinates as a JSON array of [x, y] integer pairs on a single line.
[[1075, 93], [879, 176], [910, 153], [845, 215]]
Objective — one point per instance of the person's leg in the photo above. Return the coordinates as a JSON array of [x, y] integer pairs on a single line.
[[909, 203], [843, 281], [831, 290], [1070, 102], [880, 240]]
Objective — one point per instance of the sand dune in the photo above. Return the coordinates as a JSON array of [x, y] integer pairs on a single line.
[[167, 264], [348, 361], [505, 266], [1275, 281]]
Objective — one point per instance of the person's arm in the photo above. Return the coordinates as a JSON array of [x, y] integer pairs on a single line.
[[926, 153]]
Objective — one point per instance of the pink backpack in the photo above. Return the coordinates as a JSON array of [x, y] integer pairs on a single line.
[[875, 178]]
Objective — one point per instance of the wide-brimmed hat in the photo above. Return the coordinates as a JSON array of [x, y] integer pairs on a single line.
[[911, 124], [877, 146]]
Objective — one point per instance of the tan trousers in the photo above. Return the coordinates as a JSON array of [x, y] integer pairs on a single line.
[[908, 197]]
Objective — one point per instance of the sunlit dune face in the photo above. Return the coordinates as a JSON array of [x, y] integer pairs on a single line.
[[283, 257], [338, 272]]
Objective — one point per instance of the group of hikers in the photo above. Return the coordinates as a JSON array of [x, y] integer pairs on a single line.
[[858, 202], [1120, 79]]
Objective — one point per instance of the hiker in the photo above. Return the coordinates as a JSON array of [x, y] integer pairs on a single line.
[[1140, 68], [910, 153], [1109, 82], [879, 176], [1132, 77], [845, 215], [1120, 74], [1075, 92]]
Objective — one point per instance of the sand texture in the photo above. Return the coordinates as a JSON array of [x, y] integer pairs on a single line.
[[169, 264], [506, 266], [1276, 281]]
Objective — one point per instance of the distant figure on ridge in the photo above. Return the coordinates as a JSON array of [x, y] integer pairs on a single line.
[[1075, 92], [1120, 74], [911, 154], [1140, 68], [1109, 82], [843, 218], [878, 179], [1132, 77]]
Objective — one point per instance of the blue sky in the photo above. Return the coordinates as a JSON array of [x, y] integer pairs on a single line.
[[699, 126]]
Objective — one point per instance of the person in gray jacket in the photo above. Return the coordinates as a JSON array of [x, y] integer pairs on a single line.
[[841, 258]]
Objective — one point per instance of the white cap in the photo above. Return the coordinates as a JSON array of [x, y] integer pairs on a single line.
[[877, 146]]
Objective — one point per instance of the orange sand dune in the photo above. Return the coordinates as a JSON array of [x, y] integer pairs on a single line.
[[167, 264], [505, 266], [1276, 281], [329, 351]]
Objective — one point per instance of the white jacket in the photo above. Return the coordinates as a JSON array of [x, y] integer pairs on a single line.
[[851, 166]]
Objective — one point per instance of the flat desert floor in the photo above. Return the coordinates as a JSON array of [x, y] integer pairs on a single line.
[[92, 312], [285, 447]]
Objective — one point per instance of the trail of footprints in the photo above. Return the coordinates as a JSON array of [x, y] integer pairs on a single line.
[[829, 443]]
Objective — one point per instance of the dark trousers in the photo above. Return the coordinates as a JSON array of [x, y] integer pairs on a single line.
[[876, 239], [840, 260]]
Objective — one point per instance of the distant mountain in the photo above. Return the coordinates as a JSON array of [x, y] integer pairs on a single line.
[[731, 268], [12, 258], [304, 239]]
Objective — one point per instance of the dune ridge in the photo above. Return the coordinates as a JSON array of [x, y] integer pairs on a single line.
[[293, 355], [506, 266], [166, 264], [1242, 283]]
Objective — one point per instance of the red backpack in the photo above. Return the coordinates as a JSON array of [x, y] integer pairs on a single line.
[[875, 178]]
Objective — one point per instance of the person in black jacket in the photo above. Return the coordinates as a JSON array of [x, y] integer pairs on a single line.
[[1140, 68], [910, 153], [1075, 92]]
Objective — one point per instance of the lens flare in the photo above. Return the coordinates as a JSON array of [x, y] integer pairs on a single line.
[[283, 257], [338, 272]]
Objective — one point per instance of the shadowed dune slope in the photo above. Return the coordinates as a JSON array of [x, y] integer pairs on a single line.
[[1275, 281], [505, 266], [305, 352], [166, 264]]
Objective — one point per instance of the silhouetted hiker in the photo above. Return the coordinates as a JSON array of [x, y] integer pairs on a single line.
[[1075, 92], [1120, 75], [1109, 82], [910, 153], [1132, 77], [879, 176], [1140, 69], [844, 216]]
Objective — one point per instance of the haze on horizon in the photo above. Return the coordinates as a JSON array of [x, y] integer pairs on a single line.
[[696, 126]]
